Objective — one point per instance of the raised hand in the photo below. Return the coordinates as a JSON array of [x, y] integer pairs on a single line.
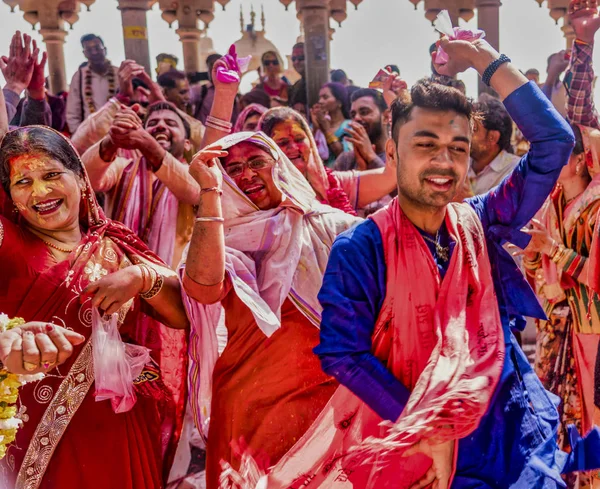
[[125, 129], [18, 67], [559, 62], [36, 88], [36, 347], [154, 92], [583, 16], [205, 169], [128, 70], [464, 55], [360, 139], [229, 89], [393, 87]]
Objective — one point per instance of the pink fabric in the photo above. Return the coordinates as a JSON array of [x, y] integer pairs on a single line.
[[235, 67], [442, 339], [145, 205]]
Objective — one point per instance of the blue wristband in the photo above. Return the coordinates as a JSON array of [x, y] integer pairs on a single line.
[[493, 67]]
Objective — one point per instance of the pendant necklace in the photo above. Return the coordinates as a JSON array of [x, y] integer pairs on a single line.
[[441, 251]]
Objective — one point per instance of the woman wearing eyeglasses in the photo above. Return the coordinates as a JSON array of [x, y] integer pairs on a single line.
[[272, 83]]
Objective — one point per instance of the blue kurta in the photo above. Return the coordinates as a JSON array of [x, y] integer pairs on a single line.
[[522, 417]]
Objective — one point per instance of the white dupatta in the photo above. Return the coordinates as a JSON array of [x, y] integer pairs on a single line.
[[270, 255]]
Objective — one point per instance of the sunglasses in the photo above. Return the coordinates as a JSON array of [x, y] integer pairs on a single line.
[[297, 58], [269, 62]]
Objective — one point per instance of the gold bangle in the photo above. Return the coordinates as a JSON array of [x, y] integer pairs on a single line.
[[156, 288], [331, 139], [556, 256]]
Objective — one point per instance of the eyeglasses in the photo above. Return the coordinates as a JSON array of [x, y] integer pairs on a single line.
[[269, 62], [297, 58], [237, 169]]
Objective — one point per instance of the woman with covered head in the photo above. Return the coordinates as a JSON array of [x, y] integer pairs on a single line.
[[61, 257], [345, 190], [259, 249]]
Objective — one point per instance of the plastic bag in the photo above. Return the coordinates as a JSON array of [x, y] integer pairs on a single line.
[[443, 24], [116, 364], [236, 66]]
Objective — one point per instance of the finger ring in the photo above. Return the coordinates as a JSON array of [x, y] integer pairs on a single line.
[[30, 367]]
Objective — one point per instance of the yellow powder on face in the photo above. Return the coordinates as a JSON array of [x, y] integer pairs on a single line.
[[24, 164]]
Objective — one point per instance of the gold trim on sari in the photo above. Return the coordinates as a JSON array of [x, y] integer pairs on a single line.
[[58, 415]]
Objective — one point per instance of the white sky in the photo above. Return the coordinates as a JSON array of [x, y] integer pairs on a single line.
[[378, 33]]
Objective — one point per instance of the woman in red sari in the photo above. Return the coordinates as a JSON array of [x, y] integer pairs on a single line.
[[61, 256]]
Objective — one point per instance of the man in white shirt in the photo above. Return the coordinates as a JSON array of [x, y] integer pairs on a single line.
[[491, 152], [93, 84]]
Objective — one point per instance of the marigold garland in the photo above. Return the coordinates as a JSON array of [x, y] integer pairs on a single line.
[[9, 393]]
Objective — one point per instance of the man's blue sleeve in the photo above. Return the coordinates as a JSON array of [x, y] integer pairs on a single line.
[[352, 294]]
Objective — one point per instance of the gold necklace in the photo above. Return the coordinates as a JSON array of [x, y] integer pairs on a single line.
[[64, 250], [441, 251]]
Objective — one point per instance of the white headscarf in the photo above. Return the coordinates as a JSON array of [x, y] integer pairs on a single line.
[[270, 255]]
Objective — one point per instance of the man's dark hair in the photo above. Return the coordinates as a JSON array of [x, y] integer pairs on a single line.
[[532, 71], [36, 141], [374, 94], [91, 37], [494, 117], [169, 79], [211, 59], [340, 93], [163, 105], [449, 82], [338, 76], [298, 45], [432, 96], [256, 96]]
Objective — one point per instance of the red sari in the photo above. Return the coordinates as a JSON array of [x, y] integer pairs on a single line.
[[69, 440]]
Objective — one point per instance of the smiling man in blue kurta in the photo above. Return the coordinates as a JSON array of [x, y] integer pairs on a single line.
[[513, 445]]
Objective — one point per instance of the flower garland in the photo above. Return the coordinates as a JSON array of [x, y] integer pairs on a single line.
[[336, 197], [87, 87], [9, 393]]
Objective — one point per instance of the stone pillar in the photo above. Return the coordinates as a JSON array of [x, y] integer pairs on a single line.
[[488, 19], [55, 40], [135, 31], [569, 33], [190, 40], [315, 19]]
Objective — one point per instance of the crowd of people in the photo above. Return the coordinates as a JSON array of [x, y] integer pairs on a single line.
[[277, 295]]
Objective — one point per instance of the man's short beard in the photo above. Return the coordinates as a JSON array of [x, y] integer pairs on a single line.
[[177, 150], [375, 131]]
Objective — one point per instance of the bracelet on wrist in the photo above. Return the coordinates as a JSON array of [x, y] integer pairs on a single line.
[[219, 124], [216, 190], [209, 219], [331, 139], [490, 71], [156, 288]]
